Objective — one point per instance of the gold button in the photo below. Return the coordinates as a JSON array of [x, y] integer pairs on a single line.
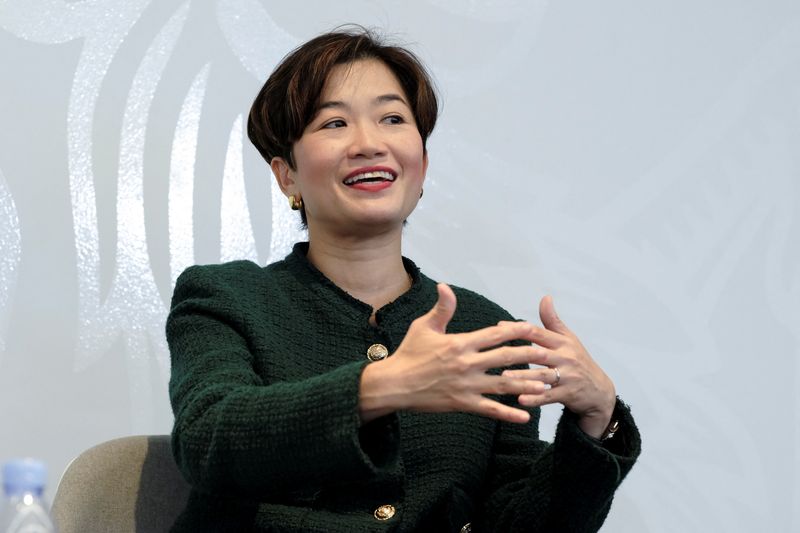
[[376, 352], [467, 528], [384, 512]]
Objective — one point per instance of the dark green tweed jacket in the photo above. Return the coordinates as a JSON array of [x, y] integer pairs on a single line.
[[266, 365]]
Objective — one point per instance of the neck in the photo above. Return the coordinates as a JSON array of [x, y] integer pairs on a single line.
[[370, 270]]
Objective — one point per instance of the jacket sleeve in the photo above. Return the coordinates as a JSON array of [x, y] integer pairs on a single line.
[[566, 486], [234, 433]]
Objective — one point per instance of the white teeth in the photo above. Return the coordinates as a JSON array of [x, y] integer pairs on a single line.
[[367, 175]]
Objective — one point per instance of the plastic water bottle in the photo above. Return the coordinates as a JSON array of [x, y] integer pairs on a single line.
[[24, 510]]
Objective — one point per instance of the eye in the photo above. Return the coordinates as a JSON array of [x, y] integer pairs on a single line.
[[394, 119], [336, 123]]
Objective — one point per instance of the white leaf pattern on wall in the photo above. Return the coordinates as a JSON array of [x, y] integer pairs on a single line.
[[236, 239], [259, 43], [57, 21], [133, 307], [9, 257], [133, 286], [253, 36], [181, 177]]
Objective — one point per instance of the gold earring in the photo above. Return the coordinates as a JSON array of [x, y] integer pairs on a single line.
[[295, 202]]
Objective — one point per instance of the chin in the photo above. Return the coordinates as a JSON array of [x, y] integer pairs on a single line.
[[380, 222]]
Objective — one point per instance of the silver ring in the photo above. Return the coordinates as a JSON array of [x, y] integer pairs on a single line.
[[558, 377]]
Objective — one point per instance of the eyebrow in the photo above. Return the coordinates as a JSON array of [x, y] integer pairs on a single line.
[[382, 99]]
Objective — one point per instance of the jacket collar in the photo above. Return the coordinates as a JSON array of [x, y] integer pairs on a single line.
[[310, 275]]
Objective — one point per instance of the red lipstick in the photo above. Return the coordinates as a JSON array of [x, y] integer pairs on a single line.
[[371, 186]]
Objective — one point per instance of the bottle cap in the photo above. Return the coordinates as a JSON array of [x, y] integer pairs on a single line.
[[24, 475]]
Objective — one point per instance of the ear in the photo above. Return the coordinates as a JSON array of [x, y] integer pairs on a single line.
[[424, 165], [283, 175]]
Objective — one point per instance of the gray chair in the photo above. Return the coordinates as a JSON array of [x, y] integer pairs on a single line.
[[124, 485]]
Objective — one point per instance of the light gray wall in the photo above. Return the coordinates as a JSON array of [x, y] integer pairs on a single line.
[[638, 160]]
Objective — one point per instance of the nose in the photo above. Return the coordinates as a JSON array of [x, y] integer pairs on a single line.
[[366, 141]]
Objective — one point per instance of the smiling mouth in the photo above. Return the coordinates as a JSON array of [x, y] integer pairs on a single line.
[[370, 177]]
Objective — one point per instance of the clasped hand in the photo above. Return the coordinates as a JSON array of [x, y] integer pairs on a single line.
[[433, 371]]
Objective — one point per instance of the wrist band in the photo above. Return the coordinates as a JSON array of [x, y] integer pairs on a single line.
[[612, 428]]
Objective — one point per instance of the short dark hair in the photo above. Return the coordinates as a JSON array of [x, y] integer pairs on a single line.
[[290, 98]]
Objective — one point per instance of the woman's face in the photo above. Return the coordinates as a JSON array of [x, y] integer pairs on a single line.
[[359, 165]]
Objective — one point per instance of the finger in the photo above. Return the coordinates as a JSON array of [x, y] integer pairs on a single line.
[[541, 336], [543, 375], [513, 355], [549, 396], [506, 331], [441, 313], [500, 411], [507, 386], [549, 318], [492, 336]]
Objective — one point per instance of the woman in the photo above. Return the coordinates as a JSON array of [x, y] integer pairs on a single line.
[[341, 389]]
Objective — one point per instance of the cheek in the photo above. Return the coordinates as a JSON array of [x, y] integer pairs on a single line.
[[315, 162], [419, 170], [414, 158]]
